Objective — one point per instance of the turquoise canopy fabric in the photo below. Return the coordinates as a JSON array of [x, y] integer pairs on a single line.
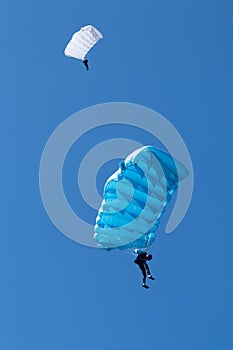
[[135, 197]]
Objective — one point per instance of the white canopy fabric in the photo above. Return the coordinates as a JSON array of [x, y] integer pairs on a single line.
[[82, 41]]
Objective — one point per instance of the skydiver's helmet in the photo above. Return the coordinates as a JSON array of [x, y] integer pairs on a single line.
[[149, 257]]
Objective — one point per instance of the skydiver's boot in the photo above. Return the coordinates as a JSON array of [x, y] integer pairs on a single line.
[[145, 286], [151, 277]]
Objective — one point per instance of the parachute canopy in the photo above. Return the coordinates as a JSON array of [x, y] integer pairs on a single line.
[[135, 198], [82, 41]]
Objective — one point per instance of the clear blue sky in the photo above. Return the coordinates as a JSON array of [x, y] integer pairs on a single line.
[[174, 57]]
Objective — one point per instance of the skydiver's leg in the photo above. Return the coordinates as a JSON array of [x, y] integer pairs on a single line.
[[142, 267], [148, 271]]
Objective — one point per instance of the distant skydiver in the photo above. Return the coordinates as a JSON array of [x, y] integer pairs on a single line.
[[122, 165], [85, 62], [82, 42], [141, 261]]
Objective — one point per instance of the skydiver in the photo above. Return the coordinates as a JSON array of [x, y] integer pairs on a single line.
[[122, 165], [85, 62], [141, 261]]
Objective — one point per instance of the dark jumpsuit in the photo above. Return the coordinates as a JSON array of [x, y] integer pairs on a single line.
[[85, 62], [141, 260]]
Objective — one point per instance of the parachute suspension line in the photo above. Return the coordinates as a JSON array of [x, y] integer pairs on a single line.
[[131, 251]]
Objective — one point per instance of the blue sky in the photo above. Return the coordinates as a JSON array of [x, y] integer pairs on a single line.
[[174, 57]]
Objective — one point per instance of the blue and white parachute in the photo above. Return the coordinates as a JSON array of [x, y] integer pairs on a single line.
[[135, 197]]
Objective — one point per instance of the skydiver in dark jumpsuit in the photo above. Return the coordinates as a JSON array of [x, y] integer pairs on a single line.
[[85, 62], [141, 261]]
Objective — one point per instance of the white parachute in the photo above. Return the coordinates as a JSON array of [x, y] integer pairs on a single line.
[[82, 41]]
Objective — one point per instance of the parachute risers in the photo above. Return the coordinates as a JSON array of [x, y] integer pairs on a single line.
[[135, 198], [82, 41]]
